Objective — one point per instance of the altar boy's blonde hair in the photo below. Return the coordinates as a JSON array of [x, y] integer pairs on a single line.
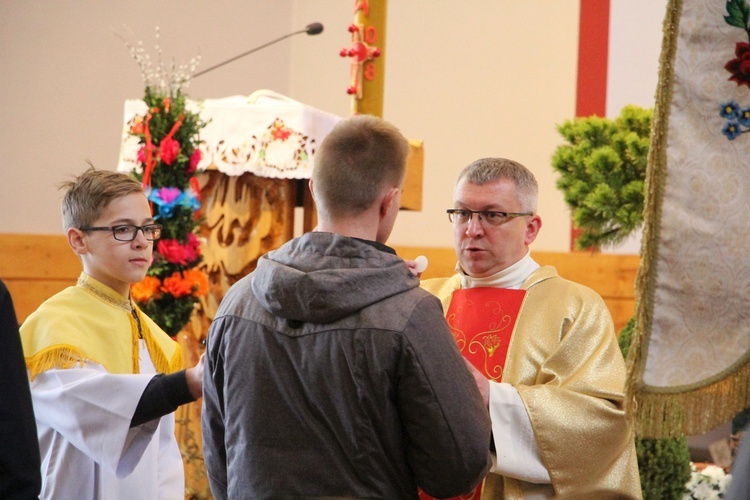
[[90, 193], [361, 155]]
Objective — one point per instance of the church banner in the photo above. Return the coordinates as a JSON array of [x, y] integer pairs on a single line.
[[689, 364]]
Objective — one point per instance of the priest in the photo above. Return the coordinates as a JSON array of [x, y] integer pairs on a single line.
[[543, 349]]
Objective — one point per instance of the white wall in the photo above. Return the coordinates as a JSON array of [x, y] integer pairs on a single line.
[[470, 79], [64, 77]]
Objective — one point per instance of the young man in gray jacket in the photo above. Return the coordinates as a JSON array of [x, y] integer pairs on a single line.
[[329, 372]]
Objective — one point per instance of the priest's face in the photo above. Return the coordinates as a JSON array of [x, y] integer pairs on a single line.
[[116, 263], [484, 248]]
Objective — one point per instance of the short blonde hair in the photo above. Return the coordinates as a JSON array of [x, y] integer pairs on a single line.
[[90, 193], [356, 160]]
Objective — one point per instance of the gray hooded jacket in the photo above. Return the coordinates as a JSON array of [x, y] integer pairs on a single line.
[[330, 373]]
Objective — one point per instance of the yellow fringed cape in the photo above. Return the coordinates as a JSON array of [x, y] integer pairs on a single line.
[[92, 322], [565, 363]]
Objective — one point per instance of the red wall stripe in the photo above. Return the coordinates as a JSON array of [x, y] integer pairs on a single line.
[[593, 52], [593, 49]]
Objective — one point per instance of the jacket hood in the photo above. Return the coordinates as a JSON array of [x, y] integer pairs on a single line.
[[322, 277]]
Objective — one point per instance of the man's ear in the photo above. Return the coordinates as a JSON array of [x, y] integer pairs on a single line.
[[77, 241], [387, 200], [310, 187], [533, 226]]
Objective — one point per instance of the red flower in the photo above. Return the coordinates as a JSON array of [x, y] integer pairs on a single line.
[[172, 251], [195, 159], [179, 253], [168, 150], [740, 67]]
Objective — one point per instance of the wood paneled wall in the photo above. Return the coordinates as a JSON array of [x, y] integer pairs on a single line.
[[35, 267]]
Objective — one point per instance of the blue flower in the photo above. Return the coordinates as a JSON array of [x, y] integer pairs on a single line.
[[744, 117], [167, 198], [731, 130], [729, 110]]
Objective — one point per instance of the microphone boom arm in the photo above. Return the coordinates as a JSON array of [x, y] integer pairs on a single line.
[[312, 29]]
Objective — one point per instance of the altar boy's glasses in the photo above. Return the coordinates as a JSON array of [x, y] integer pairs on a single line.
[[128, 232]]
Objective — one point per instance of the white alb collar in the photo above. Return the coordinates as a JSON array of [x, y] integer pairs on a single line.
[[510, 277]]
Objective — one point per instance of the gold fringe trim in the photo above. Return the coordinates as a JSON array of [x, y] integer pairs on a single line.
[[135, 350], [161, 363], [175, 364], [654, 187], [61, 356], [693, 412]]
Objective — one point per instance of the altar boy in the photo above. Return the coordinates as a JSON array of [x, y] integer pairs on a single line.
[[97, 364]]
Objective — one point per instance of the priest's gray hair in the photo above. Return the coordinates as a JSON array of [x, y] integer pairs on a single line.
[[488, 170]]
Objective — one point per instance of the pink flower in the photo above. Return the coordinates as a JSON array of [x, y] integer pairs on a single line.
[[168, 150], [168, 194], [142, 153], [195, 158], [193, 244]]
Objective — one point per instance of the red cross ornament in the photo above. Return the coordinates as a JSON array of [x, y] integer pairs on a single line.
[[362, 53]]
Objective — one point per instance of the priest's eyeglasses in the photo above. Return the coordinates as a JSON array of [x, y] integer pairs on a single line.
[[128, 232], [491, 217]]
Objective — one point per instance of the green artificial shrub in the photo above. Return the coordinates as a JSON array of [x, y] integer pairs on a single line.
[[602, 174]]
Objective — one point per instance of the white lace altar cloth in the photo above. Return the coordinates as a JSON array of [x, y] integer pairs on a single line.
[[266, 134]]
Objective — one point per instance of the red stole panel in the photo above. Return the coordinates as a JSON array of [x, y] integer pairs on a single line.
[[482, 321]]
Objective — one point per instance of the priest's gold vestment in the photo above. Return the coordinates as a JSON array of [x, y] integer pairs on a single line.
[[565, 363]]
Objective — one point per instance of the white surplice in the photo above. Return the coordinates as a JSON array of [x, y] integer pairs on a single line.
[[89, 450]]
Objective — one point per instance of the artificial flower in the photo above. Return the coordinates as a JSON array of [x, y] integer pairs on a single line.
[[199, 281], [177, 286], [145, 289], [137, 127], [168, 150], [707, 484], [141, 157], [178, 253], [195, 159]]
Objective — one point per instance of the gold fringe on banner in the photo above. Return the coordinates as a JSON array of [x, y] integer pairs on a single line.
[[693, 412], [655, 174]]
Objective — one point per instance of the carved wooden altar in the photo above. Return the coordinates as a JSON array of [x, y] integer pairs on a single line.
[[245, 217]]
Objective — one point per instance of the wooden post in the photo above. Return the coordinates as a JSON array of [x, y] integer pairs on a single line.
[[370, 18]]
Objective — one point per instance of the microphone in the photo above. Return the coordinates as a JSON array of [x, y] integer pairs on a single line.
[[310, 29], [314, 28]]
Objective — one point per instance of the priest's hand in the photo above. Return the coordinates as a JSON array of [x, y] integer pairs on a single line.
[[482, 383], [194, 377]]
